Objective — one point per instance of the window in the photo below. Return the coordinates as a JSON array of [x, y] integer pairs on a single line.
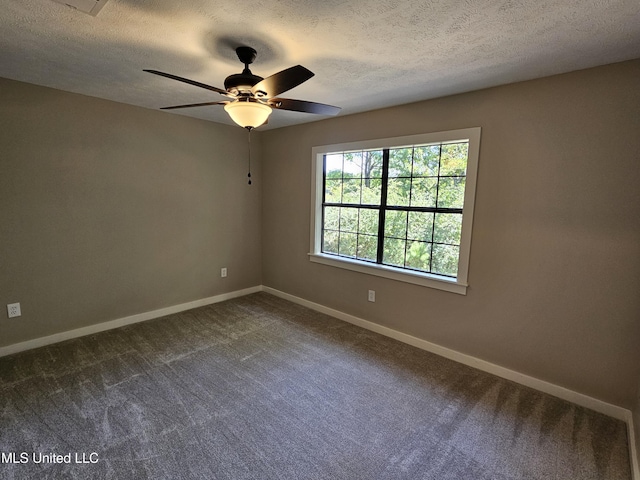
[[400, 207]]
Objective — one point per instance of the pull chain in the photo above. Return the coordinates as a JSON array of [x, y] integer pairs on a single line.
[[249, 174]]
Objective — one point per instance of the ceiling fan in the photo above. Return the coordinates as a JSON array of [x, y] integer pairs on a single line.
[[253, 97]]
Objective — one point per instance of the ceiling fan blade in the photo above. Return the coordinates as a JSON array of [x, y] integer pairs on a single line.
[[282, 81], [191, 82], [194, 105], [303, 106]]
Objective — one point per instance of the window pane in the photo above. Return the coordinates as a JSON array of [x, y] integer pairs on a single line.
[[420, 226], [448, 227], [348, 220], [351, 190], [330, 242], [348, 244], [353, 164], [400, 162], [395, 224], [423, 192], [372, 167], [368, 222], [445, 260], [398, 191], [367, 247], [425, 161], [451, 192], [333, 165], [426, 183], [419, 255], [394, 252], [371, 191], [332, 218], [454, 159], [333, 191]]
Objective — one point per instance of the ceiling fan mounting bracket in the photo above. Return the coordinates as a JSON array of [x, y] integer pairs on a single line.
[[247, 55]]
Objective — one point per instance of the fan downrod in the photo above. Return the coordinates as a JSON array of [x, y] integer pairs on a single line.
[[241, 83]]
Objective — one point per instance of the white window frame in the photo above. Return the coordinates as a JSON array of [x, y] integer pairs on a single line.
[[456, 285]]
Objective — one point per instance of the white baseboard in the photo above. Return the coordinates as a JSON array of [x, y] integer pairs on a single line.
[[631, 433], [541, 385], [121, 322], [586, 401]]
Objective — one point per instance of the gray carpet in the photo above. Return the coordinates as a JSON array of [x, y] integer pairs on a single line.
[[260, 388]]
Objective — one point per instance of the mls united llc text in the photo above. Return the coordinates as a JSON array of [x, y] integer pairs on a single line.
[[38, 457]]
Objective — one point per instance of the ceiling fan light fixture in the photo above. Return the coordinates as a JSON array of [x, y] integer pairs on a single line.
[[248, 114], [253, 97]]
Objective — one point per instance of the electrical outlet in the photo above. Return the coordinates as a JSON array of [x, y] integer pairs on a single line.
[[13, 310], [372, 295], [223, 272]]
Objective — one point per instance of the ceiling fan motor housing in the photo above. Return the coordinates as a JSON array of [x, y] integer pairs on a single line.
[[241, 82]]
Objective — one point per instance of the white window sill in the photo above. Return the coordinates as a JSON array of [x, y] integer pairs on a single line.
[[401, 275]]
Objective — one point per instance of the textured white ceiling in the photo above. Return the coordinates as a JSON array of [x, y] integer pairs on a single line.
[[366, 54]]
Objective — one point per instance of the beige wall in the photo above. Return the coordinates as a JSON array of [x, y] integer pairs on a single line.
[[636, 422], [555, 252], [108, 210]]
